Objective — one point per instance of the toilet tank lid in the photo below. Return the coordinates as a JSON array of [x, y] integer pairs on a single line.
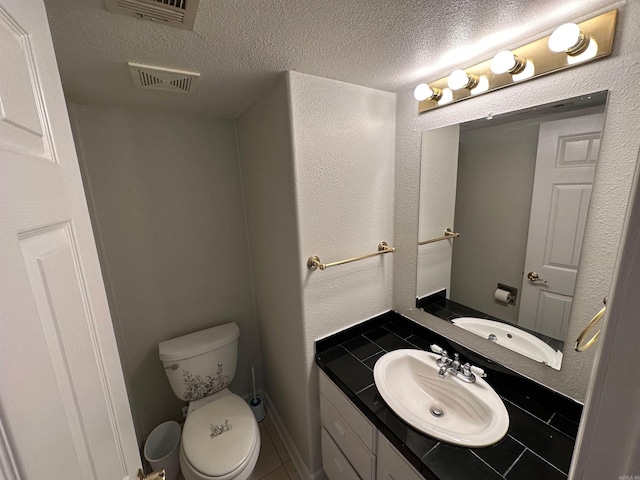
[[197, 343]]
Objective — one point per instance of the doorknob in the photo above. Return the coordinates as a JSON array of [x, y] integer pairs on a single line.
[[534, 277], [158, 475]]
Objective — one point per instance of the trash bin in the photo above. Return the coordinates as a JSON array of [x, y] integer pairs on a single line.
[[162, 449]]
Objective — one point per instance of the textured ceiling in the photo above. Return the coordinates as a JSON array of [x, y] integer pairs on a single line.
[[240, 46]]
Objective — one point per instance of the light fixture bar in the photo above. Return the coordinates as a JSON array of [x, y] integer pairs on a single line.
[[598, 32]]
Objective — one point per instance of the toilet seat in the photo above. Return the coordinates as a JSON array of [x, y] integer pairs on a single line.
[[220, 439]]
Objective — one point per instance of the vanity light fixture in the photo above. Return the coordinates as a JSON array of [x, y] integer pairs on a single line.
[[481, 87], [425, 92], [528, 72], [447, 97], [590, 52], [568, 45], [568, 38], [460, 79], [507, 62]]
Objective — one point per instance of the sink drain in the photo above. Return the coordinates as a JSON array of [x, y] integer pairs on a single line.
[[436, 411]]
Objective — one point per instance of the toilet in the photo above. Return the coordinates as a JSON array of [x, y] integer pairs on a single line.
[[220, 437]]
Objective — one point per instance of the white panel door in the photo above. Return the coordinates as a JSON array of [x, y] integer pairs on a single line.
[[64, 412], [565, 168]]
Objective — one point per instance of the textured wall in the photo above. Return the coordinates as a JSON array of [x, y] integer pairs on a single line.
[[166, 205], [609, 201], [266, 159], [438, 177], [493, 203], [343, 139], [317, 166], [240, 47]]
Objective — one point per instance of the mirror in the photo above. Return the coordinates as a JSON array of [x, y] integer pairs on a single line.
[[516, 188]]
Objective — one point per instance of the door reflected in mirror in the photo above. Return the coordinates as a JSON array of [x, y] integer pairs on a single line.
[[516, 188]]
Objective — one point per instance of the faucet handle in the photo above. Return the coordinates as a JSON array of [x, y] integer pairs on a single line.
[[477, 371], [444, 356]]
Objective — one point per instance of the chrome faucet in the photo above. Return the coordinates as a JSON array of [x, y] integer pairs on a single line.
[[465, 372]]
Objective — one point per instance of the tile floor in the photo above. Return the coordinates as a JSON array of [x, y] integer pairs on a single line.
[[274, 462]]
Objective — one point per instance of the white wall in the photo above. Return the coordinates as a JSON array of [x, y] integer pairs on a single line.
[[317, 165], [611, 411], [344, 137], [611, 192], [493, 205], [166, 204], [438, 179], [266, 159]]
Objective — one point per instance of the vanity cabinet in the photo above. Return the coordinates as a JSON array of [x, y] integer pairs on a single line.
[[392, 465], [349, 440], [358, 425], [352, 448]]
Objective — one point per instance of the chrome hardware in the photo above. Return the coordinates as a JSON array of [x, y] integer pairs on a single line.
[[512, 290], [436, 411], [492, 337], [158, 475], [456, 362], [534, 277], [466, 373], [172, 367], [470, 373], [444, 360]]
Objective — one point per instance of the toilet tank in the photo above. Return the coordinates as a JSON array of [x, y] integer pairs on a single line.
[[201, 363]]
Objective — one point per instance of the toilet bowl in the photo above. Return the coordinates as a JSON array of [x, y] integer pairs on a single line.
[[220, 437]]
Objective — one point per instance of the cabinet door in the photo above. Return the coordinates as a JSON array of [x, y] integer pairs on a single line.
[[362, 460], [362, 427], [334, 463], [391, 465]]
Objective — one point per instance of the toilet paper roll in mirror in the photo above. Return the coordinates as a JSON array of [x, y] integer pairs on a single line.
[[502, 296]]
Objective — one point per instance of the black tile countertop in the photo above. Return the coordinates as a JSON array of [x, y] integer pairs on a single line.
[[542, 423]]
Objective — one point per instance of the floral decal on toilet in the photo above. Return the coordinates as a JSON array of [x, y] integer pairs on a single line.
[[220, 429], [197, 387]]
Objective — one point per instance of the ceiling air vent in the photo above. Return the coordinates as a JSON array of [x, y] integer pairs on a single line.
[[167, 79], [176, 13]]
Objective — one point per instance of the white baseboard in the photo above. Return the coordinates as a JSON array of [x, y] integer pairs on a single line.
[[289, 444]]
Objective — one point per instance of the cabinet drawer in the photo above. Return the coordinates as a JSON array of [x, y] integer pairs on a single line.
[[334, 463], [362, 460], [362, 427], [392, 465]]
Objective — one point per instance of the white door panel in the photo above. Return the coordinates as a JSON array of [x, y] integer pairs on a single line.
[[64, 412], [565, 168]]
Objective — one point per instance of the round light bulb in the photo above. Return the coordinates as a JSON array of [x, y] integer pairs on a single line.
[[447, 96], [590, 52], [483, 86], [503, 62], [528, 72], [458, 79], [564, 38], [422, 92]]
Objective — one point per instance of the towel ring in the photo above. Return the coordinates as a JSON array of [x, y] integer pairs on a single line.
[[590, 326]]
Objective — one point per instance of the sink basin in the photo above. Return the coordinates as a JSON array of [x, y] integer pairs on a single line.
[[513, 338], [467, 414]]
